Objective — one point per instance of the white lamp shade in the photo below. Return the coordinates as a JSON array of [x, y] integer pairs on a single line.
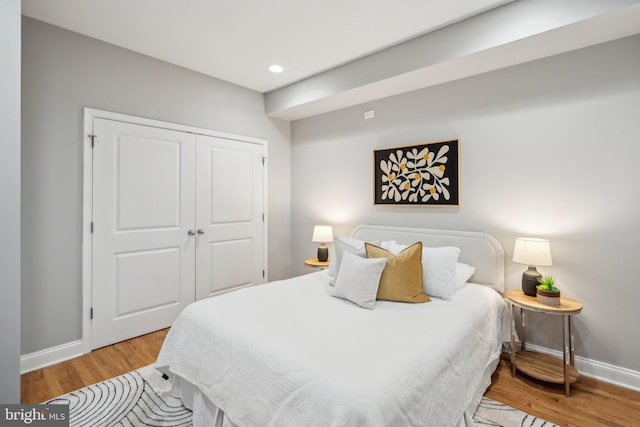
[[322, 233], [531, 251]]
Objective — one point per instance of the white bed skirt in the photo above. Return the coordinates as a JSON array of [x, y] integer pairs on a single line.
[[205, 413]]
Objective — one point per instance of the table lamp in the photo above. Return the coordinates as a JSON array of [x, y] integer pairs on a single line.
[[532, 252], [322, 234]]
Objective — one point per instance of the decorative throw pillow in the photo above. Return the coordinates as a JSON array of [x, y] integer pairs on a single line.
[[345, 244], [463, 274], [358, 279], [402, 276], [438, 270]]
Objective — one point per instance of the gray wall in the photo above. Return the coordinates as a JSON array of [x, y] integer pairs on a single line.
[[10, 201], [62, 73], [548, 148]]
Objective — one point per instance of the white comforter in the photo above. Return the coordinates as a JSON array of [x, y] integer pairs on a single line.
[[288, 354]]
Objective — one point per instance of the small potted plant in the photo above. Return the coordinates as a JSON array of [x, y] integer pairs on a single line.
[[547, 292]]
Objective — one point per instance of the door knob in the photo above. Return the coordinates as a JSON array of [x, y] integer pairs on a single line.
[[200, 231], [191, 233]]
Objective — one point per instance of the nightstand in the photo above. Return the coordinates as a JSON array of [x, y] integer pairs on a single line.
[[314, 263], [537, 365]]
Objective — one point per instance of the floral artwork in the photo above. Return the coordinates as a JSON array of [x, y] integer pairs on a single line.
[[425, 174]]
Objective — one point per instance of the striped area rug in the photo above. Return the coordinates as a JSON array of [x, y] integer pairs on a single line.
[[138, 398], [142, 398], [492, 413]]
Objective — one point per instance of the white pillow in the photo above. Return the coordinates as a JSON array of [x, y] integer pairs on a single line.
[[387, 244], [342, 244], [463, 274], [358, 279], [438, 270]]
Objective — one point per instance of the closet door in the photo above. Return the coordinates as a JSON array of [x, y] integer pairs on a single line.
[[143, 261], [229, 215]]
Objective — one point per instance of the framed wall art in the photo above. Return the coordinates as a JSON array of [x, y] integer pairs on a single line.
[[420, 175]]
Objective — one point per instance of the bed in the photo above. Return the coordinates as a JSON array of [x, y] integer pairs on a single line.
[[290, 353]]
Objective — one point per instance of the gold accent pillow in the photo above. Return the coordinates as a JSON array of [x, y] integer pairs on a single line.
[[402, 276]]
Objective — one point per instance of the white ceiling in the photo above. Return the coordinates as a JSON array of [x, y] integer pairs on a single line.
[[236, 40]]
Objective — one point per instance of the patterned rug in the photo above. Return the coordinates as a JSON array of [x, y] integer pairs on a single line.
[[138, 398], [496, 414], [142, 398]]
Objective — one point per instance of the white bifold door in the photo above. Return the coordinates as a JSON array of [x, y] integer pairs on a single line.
[[176, 217]]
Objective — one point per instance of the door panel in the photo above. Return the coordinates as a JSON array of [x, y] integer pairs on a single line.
[[148, 191], [227, 259], [231, 186], [144, 206], [229, 214], [146, 280]]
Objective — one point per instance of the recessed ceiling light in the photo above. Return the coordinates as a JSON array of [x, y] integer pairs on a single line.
[[275, 68]]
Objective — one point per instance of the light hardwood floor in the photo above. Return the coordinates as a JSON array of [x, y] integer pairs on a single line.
[[99, 365], [592, 402]]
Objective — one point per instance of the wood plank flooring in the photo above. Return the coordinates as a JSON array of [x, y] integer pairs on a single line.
[[592, 402], [99, 365]]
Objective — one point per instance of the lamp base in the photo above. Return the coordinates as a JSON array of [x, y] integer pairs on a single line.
[[530, 281], [323, 253]]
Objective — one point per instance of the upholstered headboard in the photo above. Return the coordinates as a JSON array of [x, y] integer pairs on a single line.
[[478, 249]]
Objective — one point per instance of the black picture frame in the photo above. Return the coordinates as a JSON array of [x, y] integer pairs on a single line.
[[424, 174]]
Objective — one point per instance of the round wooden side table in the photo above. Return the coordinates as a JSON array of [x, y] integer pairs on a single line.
[[314, 263], [537, 365]]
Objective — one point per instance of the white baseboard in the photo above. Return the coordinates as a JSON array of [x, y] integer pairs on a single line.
[[599, 370], [50, 356]]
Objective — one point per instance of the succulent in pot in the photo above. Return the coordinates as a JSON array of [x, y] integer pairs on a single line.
[[547, 291]]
